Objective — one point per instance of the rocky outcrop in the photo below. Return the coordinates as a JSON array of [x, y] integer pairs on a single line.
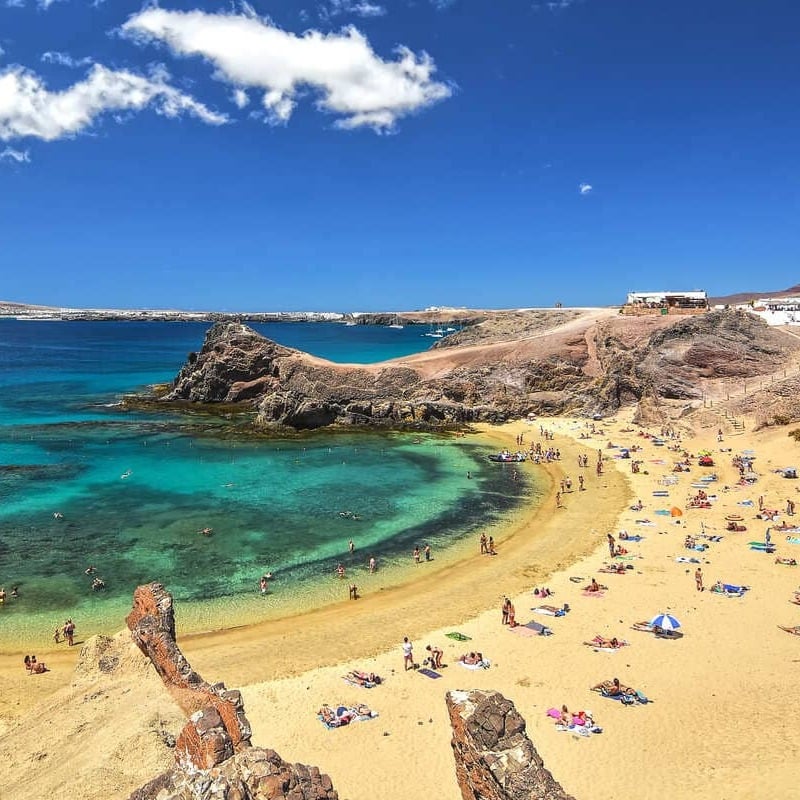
[[213, 754], [577, 367], [495, 759]]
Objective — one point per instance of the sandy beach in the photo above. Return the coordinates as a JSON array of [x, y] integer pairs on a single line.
[[720, 723]]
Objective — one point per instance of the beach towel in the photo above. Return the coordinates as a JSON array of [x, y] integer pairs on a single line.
[[646, 522], [662, 512], [687, 560], [549, 611], [429, 673], [636, 538], [459, 637], [660, 493], [748, 503], [587, 593], [532, 628], [485, 664], [626, 699], [345, 715], [793, 539]]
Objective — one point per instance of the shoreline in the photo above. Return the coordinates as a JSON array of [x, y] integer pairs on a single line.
[[445, 593]]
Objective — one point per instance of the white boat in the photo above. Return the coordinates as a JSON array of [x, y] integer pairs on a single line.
[[349, 324], [396, 326]]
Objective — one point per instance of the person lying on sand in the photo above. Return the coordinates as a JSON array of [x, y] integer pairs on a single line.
[[613, 569], [471, 658], [613, 688], [363, 678], [601, 641], [790, 562], [794, 629]]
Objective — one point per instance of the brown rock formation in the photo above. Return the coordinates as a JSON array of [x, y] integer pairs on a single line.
[[213, 754], [495, 759], [559, 362]]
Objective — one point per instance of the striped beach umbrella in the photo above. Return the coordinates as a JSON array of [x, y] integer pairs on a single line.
[[665, 621]]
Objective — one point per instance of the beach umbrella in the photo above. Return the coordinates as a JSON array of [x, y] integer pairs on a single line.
[[675, 512], [665, 621]]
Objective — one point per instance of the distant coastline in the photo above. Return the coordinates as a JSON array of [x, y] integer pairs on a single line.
[[36, 313]]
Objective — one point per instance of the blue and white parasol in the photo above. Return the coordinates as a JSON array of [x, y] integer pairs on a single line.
[[665, 621]]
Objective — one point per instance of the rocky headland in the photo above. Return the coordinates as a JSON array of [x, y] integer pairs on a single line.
[[502, 366]]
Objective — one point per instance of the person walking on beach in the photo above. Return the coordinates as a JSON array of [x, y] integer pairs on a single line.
[[416, 554], [483, 544], [372, 563], [558, 500], [580, 483], [69, 632], [351, 547], [698, 579], [611, 545], [408, 654], [427, 552]]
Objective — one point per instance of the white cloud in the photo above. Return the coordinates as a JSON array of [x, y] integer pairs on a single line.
[[65, 59], [240, 98], [585, 188], [19, 156], [441, 5], [28, 108], [360, 8], [352, 81]]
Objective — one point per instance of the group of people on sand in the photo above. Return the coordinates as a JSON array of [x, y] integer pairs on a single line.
[[487, 545], [508, 614], [65, 632], [417, 553], [33, 666]]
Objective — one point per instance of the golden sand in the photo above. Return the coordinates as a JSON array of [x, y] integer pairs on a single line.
[[721, 724]]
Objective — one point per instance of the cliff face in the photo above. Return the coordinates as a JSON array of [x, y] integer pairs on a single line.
[[576, 365], [495, 759], [213, 754]]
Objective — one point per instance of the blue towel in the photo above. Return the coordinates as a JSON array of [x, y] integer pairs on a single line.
[[733, 589], [429, 673]]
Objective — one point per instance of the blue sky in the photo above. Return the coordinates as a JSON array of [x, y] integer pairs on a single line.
[[359, 154]]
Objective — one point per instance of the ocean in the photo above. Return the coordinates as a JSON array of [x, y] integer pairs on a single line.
[[84, 483]]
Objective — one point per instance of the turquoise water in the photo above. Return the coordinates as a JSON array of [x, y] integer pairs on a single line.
[[135, 490]]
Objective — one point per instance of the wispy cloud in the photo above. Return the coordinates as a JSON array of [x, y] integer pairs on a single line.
[[240, 98], [585, 188], [18, 156], [29, 109], [358, 8], [554, 5], [441, 5], [349, 78], [65, 59]]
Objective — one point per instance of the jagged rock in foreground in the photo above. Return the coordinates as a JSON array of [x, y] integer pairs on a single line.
[[495, 759], [578, 365], [213, 754]]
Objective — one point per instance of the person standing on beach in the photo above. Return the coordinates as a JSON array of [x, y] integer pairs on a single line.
[[436, 654], [351, 547], [483, 544], [408, 654], [372, 564], [698, 579], [558, 499], [416, 554], [427, 552], [69, 632], [580, 483], [611, 545], [504, 611], [57, 635]]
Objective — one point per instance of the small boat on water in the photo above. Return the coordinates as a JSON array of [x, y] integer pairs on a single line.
[[507, 457]]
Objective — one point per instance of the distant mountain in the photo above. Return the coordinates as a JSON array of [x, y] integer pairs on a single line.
[[746, 297]]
